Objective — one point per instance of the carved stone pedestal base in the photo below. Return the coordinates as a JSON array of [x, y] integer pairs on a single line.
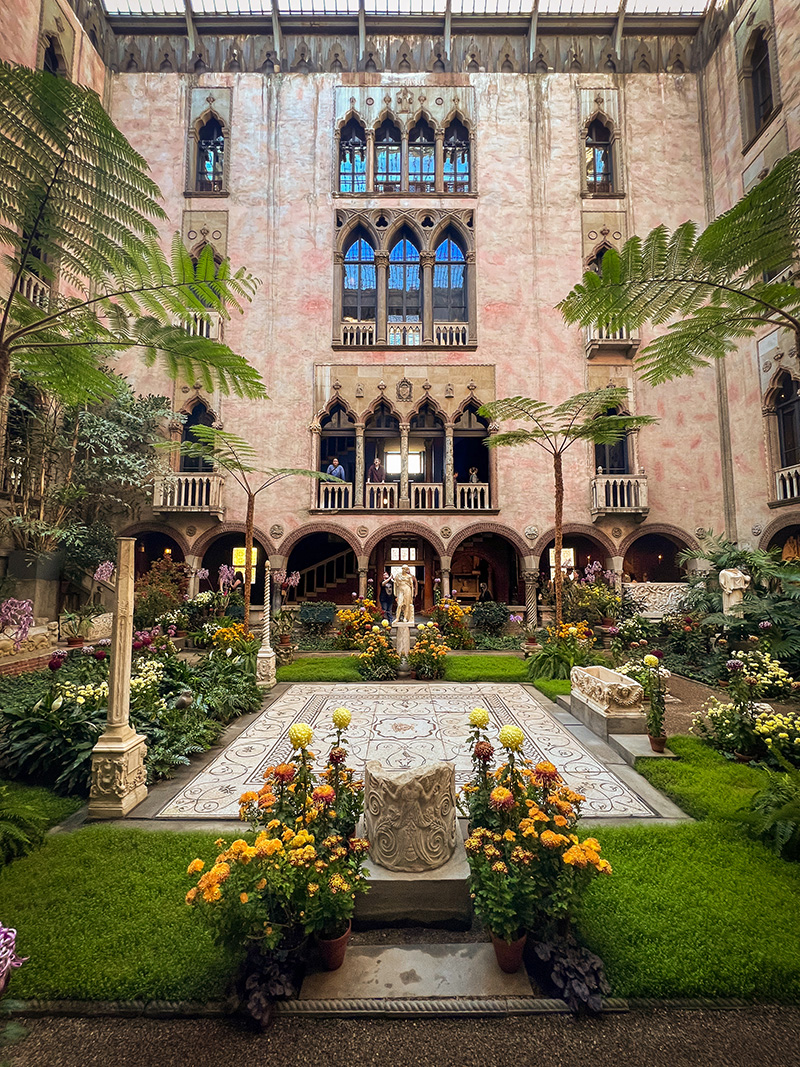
[[118, 776], [265, 669], [410, 816]]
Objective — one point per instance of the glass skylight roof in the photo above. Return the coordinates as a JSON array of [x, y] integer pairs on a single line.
[[375, 8]]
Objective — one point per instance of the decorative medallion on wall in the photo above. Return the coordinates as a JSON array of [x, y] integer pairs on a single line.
[[191, 531], [757, 529], [276, 530], [700, 533], [531, 532], [404, 390], [362, 531], [616, 532], [446, 532]]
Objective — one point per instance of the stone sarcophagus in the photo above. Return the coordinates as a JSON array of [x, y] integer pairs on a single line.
[[606, 701], [410, 816]]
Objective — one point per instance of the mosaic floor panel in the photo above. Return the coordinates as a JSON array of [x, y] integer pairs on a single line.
[[403, 726]]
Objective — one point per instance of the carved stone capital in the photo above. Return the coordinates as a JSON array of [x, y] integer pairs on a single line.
[[338, 258], [382, 259], [427, 259]]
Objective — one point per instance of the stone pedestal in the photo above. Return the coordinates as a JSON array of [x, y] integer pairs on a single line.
[[118, 774], [402, 643], [410, 816], [265, 658], [607, 702]]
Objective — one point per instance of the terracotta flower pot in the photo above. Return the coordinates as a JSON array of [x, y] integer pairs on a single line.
[[657, 743], [332, 952], [509, 956], [75, 642], [285, 640]]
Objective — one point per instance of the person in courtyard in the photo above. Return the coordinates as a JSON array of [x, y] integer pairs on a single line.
[[405, 588], [387, 595], [335, 468], [484, 596]]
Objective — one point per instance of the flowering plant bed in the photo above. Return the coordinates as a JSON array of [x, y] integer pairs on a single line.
[[428, 655], [451, 619], [377, 659], [355, 622]]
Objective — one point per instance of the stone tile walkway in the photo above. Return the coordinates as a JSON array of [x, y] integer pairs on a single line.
[[405, 726]]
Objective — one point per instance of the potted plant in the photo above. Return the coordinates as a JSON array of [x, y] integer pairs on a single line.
[[75, 625], [283, 622], [653, 683]]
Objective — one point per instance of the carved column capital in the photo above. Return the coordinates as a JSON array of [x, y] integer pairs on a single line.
[[382, 259], [427, 259], [338, 258]]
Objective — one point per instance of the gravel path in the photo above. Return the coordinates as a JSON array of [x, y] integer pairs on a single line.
[[692, 696], [755, 1037]]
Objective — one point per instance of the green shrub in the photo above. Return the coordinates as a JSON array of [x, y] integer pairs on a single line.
[[316, 618], [489, 618], [774, 814], [160, 590], [22, 827], [504, 643]]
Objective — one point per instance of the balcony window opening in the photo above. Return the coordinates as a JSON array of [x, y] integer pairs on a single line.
[[394, 465], [787, 407], [210, 157], [449, 283], [426, 435], [456, 158], [599, 163], [51, 61], [421, 159], [595, 264], [760, 83], [198, 416], [388, 158], [359, 288], [470, 455], [338, 442], [353, 158], [612, 458], [404, 304]]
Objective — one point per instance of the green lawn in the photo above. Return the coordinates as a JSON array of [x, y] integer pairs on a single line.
[[54, 808], [553, 687], [320, 669], [483, 668], [101, 914]]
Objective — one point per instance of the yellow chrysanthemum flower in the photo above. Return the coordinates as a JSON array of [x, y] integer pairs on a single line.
[[195, 867], [341, 718], [479, 717], [511, 738], [300, 734]]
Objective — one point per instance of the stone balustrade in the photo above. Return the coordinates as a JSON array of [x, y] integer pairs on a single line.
[[787, 483], [405, 333], [472, 496], [335, 496], [208, 325], [606, 701], [619, 494], [358, 334], [189, 492], [381, 495], [451, 334], [35, 290], [426, 496]]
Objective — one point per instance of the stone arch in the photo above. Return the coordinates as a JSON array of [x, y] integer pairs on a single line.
[[294, 538], [466, 235], [790, 518], [674, 533], [201, 545], [337, 399], [359, 222], [397, 225], [771, 392], [427, 398], [579, 529], [498, 528], [398, 528], [372, 407], [138, 528]]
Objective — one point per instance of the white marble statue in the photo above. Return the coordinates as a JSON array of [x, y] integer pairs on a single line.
[[733, 583], [405, 589]]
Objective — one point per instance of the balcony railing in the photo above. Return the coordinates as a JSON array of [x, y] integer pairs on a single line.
[[189, 492], [474, 496], [355, 334], [379, 496], [405, 333], [620, 494], [451, 334], [426, 496], [335, 496], [600, 338], [787, 483], [35, 290]]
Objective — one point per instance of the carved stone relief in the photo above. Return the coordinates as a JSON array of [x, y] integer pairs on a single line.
[[410, 816]]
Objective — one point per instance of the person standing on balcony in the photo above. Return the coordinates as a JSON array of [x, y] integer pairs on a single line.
[[387, 595], [335, 468], [376, 473], [473, 475]]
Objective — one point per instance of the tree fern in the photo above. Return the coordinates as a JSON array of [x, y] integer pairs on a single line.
[[709, 287], [76, 196]]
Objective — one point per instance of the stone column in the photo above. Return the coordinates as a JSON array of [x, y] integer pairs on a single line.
[[362, 581], [404, 501], [360, 471], [265, 659], [472, 297], [494, 459], [404, 162], [445, 574], [338, 270], [426, 262], [316, 452], [195, 563], [381, 270], [449, 494], [530, 578], [439, 160], [370, 160], [118, 773]]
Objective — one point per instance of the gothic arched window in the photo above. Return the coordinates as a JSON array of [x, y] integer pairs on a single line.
[[787, 408], [456, 158], [352, 158], [599, 159], [404, 303], [388, 158], [449, 283], [421, 158], [359, 291], [210, 173], [760, 83], [198, 416]]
